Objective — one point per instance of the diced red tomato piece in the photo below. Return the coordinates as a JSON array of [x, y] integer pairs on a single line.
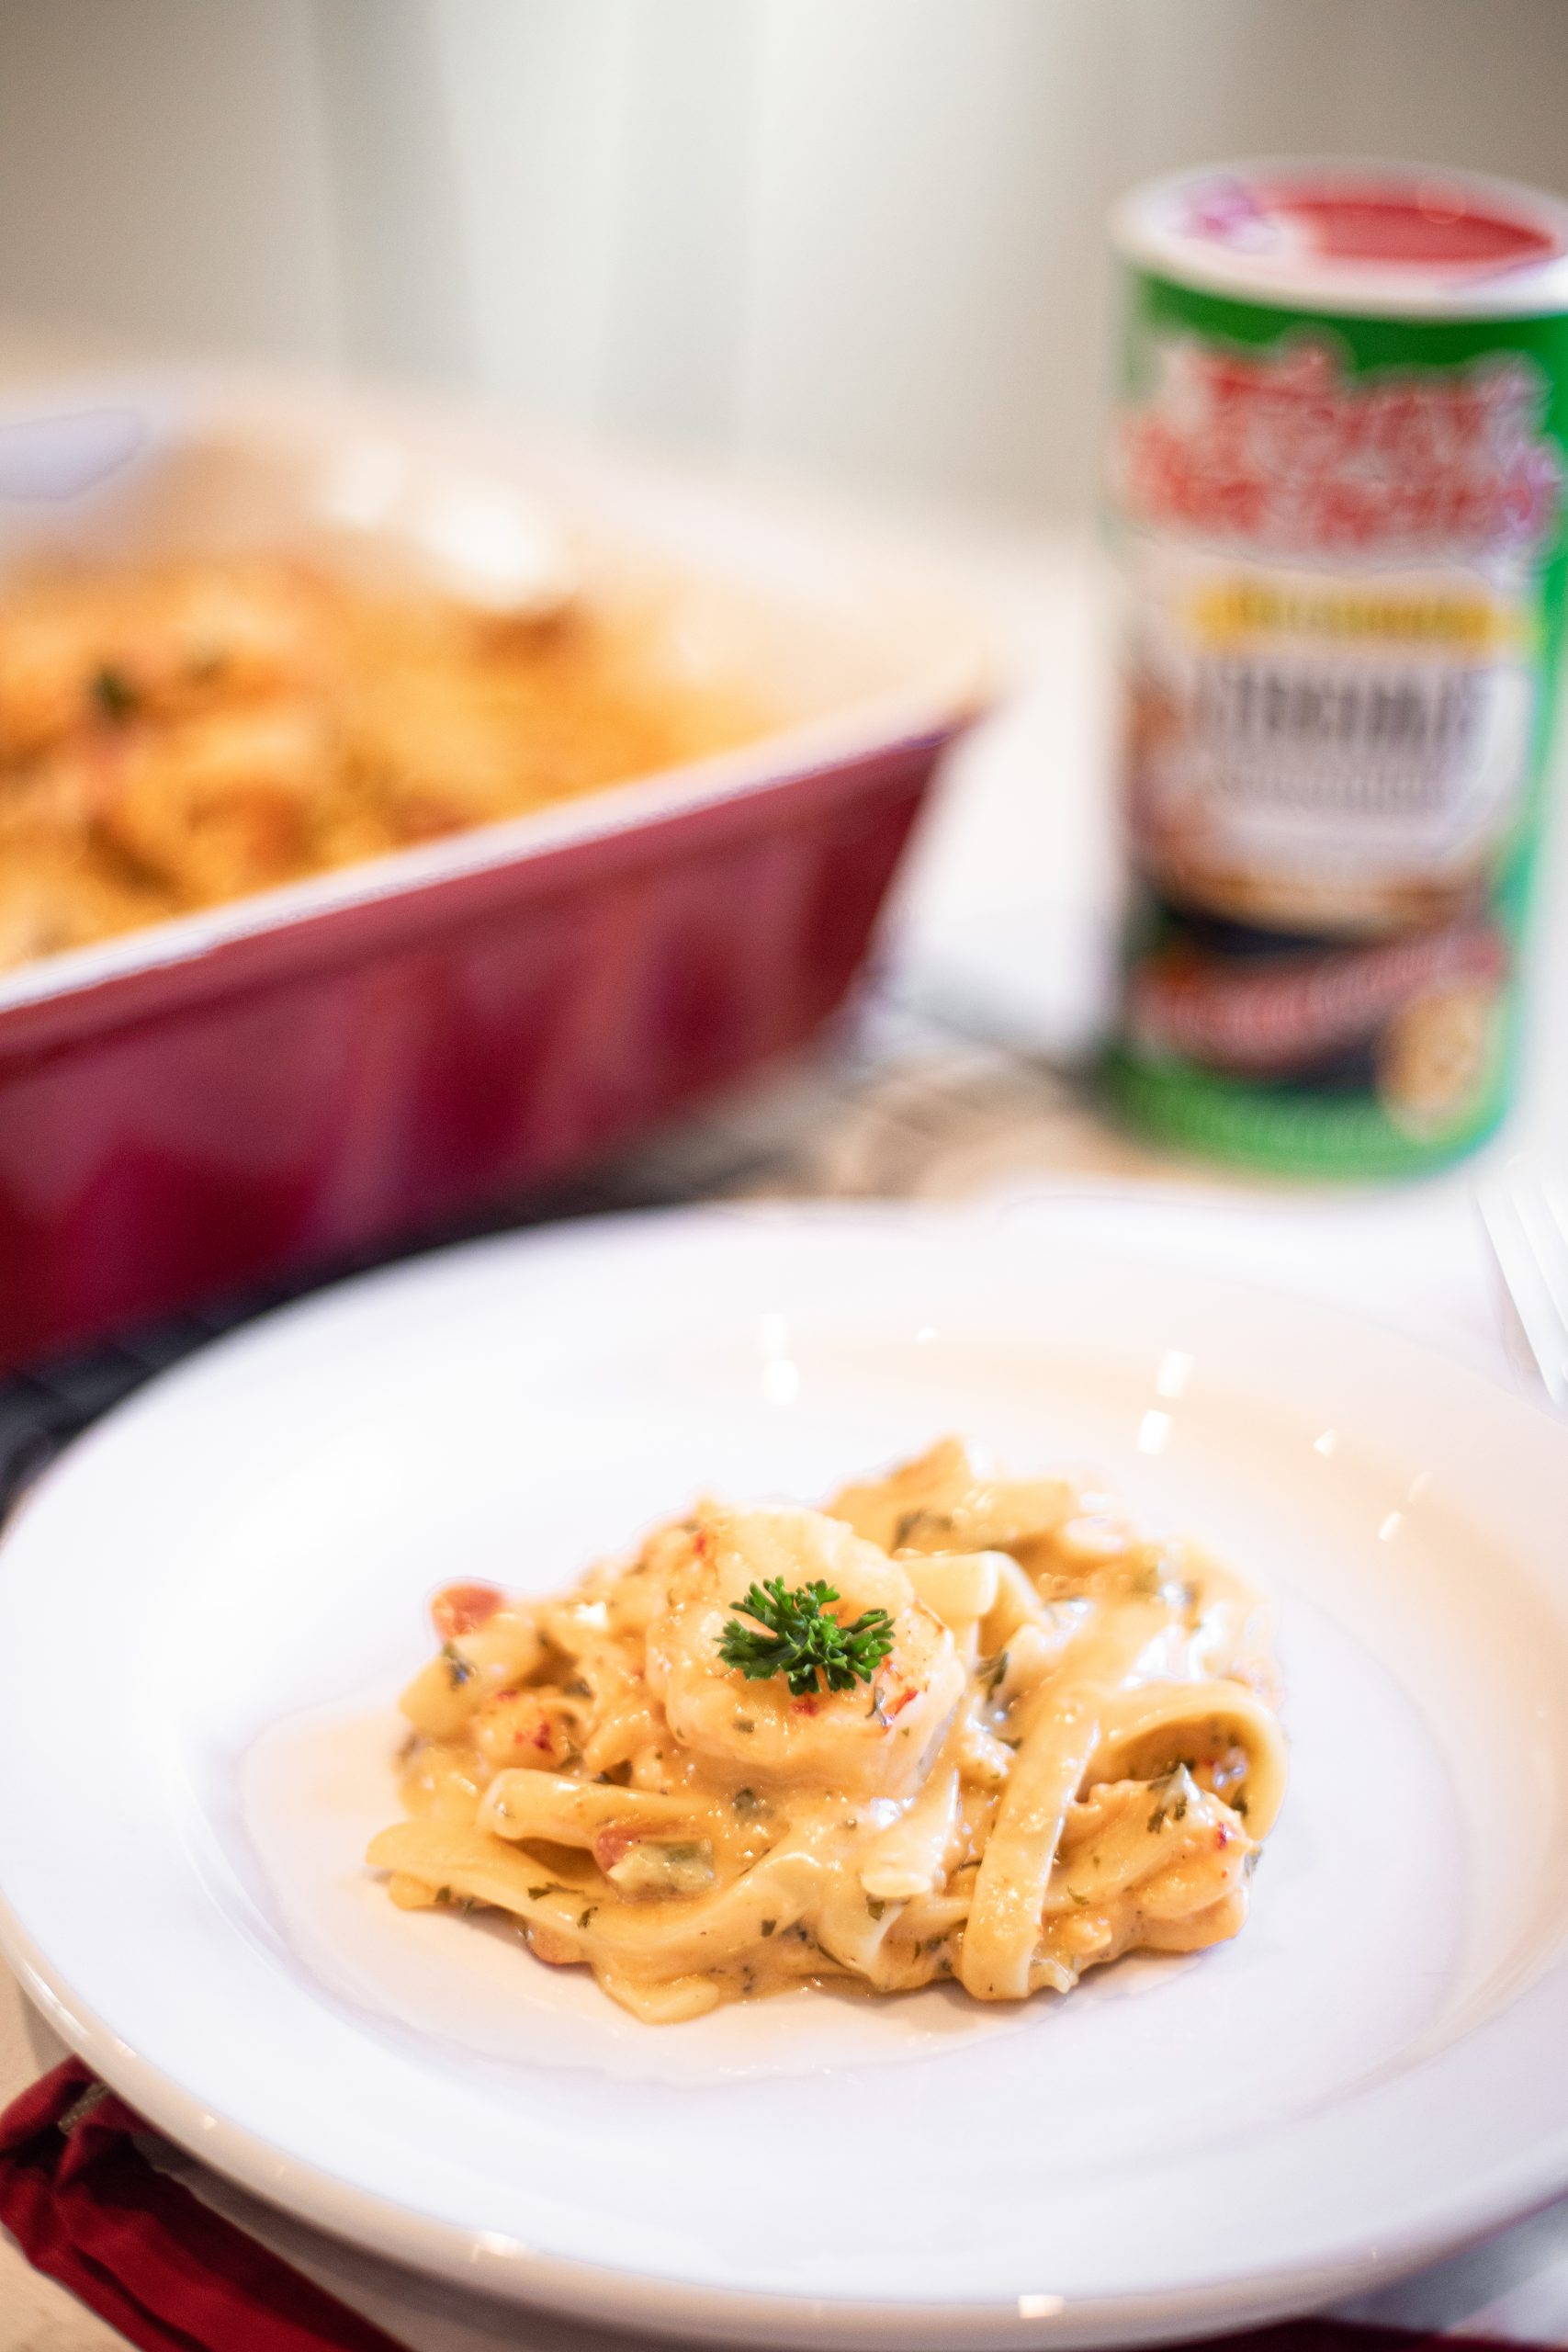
[[463, 1607], [612, 1844]]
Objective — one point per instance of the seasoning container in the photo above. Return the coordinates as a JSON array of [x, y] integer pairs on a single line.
[[1336, 490]]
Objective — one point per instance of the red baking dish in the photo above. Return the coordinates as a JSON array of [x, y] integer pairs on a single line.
[[289, 1080]]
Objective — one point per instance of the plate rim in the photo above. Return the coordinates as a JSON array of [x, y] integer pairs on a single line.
[[604, 2295]]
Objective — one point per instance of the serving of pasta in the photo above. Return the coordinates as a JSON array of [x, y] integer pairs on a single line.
[[177, 734], [956, 1726]]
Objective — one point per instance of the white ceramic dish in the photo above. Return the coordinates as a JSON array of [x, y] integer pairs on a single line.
[[205, 1610]]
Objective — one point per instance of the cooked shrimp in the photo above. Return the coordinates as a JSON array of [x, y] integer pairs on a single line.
[[875, 1742], [222, 803], [94, 652], [198, 729]]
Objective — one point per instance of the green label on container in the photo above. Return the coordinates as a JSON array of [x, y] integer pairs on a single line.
[[1342, 543]]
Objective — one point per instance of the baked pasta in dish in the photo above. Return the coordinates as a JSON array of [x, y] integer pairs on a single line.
[[173, 736], [956, 1726]]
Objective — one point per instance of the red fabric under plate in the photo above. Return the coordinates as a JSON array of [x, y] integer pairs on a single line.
[[140, 2250]]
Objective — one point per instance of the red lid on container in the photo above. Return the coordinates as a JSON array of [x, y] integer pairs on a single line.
[[1346, 236]]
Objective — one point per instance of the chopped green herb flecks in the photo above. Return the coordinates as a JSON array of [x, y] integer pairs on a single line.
[[114, 696], [993, 1672], [1173, 1794], [920, 1522]]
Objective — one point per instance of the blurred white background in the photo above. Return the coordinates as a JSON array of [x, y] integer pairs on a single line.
[[855, 242], [857, 237]]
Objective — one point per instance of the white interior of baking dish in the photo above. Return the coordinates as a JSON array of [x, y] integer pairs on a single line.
[[841, 641]]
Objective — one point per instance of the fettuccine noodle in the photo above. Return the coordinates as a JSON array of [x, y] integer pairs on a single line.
[[1070, 1750]]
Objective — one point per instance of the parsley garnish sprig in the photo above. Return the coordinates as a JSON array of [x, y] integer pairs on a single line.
[[802, 1640]]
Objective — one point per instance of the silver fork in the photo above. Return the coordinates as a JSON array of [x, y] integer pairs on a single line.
[[1524, 1214]]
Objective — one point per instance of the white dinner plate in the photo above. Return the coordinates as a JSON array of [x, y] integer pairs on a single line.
[[207, 1608]]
